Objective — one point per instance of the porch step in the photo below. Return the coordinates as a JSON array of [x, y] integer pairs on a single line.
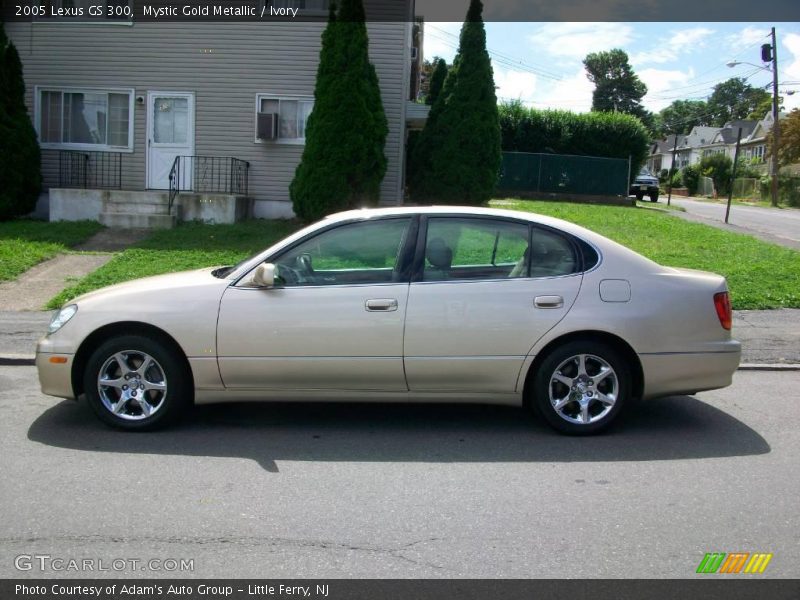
[[132, 220], [139, 208]]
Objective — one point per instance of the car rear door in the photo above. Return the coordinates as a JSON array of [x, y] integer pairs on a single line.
[[485, 290]]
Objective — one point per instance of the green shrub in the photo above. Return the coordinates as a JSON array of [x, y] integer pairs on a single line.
[[690, 177], [343, 160], [20, 157], [788, 190], [611, 135], [719, 167]]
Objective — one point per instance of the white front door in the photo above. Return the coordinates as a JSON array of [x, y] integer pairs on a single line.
[[170, 133]]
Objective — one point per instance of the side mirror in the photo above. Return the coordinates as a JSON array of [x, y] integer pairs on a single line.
[[264, 275]]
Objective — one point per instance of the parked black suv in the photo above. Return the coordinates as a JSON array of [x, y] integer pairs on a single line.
[[645, 183]]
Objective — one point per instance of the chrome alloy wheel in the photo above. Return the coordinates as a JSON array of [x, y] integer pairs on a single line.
[[132, 385], [583, 389]]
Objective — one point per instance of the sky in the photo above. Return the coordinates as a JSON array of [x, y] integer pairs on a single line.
[[541, 63]]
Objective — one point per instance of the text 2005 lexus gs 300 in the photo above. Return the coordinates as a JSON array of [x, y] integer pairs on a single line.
[[405, 304]]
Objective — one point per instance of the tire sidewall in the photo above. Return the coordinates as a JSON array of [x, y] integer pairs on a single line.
[[541, 395], [178, 382]]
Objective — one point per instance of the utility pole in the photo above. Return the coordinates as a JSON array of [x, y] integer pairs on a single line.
[[733, 174], [671, 169], [776, 136]]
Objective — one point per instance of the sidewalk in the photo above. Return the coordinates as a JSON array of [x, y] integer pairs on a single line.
[[769, 337]]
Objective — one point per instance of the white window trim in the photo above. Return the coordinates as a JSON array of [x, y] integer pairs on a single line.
[[83, 147], [284, 141]]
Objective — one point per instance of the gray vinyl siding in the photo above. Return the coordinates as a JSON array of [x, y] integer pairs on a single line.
[[225, 64]]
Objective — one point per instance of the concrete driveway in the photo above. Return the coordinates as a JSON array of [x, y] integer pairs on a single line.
[[780, 226]]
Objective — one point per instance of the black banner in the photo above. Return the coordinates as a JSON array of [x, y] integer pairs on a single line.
[[99, 11], [375, 589]]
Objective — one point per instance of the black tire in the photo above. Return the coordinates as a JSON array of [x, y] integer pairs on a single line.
[[654, 197], [640, 197], [168, 366], [541, 388]]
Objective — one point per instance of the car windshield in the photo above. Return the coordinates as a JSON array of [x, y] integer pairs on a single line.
[[645, 173]]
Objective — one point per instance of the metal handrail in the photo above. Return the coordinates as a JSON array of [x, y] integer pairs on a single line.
[[210, 174], [89, 170]]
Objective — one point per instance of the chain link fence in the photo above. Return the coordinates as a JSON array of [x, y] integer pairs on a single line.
[[563, 173]]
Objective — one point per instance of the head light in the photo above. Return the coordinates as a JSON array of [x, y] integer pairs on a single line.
[[61, 317]]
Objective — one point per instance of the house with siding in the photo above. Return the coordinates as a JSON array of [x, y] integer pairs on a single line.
[[142, 123]]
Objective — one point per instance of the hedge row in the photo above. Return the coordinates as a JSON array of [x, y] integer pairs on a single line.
[[611, 135]]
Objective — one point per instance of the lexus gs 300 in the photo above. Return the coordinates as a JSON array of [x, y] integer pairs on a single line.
[[403, 304]]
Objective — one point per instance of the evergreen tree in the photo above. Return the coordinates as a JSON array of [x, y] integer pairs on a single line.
[[343, 160], [457, 159], [437, 81], [20, 168]]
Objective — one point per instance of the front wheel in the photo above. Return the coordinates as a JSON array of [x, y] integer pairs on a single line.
[[639, 197], [581, 387], [135, 383], [654, 197]]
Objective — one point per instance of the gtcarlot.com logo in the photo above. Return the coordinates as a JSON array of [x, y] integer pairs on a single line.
[[734, 562], [48, 563]]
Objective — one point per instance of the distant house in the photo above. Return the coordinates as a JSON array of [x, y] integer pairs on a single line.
[[705, 141], [207, 116]]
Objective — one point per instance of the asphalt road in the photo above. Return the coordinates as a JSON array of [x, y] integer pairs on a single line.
[[777, 225], [343, 490]]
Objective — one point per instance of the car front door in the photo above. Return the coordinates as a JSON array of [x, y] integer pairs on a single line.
[[333, 321], [485, 290]]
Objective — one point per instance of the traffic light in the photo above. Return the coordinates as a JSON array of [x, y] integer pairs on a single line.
[[766, 53]]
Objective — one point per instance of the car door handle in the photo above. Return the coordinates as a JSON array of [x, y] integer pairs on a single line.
[[548, 302], [381, 305]]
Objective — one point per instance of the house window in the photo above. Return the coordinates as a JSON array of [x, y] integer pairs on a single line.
[[292, 115], [758, 153], [84, 119]]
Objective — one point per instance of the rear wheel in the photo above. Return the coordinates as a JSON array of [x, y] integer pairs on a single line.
[[581, 387], [136, 383]]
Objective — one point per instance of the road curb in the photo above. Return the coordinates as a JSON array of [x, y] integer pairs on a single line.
[[17, 360], [769, 367]]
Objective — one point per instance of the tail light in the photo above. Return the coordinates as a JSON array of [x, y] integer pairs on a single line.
[[722, 302]]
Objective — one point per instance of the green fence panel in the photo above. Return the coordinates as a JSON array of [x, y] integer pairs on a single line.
[[563, 173]]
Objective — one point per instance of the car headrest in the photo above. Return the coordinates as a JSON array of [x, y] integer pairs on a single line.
[[439, 254]]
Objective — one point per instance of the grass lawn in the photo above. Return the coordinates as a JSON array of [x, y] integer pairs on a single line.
[[188, 246], [760, 275], [24, 243]]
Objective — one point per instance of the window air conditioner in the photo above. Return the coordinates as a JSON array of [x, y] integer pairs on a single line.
[[267, 128]]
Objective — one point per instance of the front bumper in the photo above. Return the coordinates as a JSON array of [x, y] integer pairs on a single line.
[[55, 379], [686, 373]]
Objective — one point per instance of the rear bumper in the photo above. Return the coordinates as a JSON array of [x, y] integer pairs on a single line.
[[638, 189], [687, 373]]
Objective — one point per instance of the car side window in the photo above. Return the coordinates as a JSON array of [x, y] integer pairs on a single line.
[[363, 252], [551, 254], [461, 248]]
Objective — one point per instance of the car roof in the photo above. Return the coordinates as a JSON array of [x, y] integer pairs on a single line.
[[367, 213]]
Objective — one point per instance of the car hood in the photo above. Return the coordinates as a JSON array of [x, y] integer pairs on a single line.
[[646, 180], [158, 284]]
